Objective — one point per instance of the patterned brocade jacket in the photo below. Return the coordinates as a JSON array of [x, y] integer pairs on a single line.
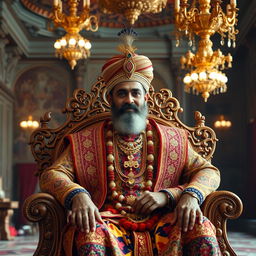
[[82, 166]]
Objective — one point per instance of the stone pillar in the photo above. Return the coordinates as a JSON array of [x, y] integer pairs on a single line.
[[9, 57]]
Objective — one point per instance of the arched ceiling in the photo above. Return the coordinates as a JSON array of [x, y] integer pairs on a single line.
[[44, 7], [25, 24]]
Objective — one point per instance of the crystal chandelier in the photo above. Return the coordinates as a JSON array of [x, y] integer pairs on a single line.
[[131, 9], [204, 18], [72, 46]]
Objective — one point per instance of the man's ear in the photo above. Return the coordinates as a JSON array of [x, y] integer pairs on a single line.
[[146, 97]]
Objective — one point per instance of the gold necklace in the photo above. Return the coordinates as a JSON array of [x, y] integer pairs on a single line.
[[118, 199], [129, 147], [131, 163]]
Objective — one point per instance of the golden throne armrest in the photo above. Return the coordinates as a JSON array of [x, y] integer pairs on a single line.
[[218, 207], [44, 209]]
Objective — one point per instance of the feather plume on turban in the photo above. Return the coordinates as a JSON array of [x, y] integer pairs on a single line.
[[127, 66]]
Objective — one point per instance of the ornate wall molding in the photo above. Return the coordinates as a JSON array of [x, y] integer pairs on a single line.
[[9, 57]]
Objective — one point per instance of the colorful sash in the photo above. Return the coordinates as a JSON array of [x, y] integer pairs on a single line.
[[89, 156], [172, 155]]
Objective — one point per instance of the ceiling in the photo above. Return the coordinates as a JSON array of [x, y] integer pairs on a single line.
[[44, 8], [26, 22]]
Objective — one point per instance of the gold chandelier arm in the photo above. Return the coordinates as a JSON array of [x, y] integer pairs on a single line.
[[231, 13], [227, 21], [84, 16], [91, 23], [58, 16], [184, 18]]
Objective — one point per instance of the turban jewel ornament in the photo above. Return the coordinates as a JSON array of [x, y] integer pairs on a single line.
[[127, 66]]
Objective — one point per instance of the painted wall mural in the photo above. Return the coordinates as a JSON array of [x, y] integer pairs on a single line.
[[37, 91]]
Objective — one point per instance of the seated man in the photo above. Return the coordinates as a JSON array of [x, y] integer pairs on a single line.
[[132, 186]]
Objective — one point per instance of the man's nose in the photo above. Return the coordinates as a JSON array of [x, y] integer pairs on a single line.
[[129, 99]]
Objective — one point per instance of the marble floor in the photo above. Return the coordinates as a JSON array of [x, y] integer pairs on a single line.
[[243, 244], [21, 245]]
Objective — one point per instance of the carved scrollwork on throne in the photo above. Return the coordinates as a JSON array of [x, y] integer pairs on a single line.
[[85, 106]]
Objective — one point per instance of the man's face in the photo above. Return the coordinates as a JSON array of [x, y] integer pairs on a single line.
[[128, 93], [129, 108]]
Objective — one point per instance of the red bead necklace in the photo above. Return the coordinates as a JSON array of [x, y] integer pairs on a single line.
[[120, 199]]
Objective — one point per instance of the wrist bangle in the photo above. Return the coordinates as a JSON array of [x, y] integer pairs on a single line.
[[170, 198], [195, 193], [68, 200]]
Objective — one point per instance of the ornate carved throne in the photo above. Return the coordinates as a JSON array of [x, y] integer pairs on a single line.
[[84, 109]]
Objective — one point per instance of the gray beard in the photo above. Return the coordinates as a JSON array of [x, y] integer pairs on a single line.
[[130, 122]]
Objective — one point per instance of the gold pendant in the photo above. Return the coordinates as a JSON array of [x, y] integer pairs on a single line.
[[130, 199], [131, 174], [131, 163], [131, 181]]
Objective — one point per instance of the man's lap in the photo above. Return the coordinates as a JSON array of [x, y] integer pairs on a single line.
[[167, 239]]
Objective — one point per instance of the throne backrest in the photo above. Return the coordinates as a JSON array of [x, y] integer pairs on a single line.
[[83, 109]]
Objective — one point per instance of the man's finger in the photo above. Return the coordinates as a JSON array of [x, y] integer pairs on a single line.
[[141, 204], [174, 219], [138, 202], [85, 222], [79, 221], [73, 218], [69, 213], [192, 219], [180, 212], [146, 207], [186, 219], [92, 220], [200, 216], [150, 209], [98, 217]]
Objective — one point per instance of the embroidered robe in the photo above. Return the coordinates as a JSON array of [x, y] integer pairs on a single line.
[[178, 167]]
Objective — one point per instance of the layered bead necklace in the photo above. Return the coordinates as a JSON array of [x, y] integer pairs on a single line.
[[129, 148]]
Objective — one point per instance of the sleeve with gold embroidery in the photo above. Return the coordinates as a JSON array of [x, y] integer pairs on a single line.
[[59, 180], [200, 175]]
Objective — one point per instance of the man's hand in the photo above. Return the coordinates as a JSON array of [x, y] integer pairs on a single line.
[[149, 201], [186, 212], [84, 213]]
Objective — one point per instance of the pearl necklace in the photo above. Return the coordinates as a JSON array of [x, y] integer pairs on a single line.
[[117, 197]]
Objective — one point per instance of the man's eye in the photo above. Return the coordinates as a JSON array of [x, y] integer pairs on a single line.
[[121, 94], [136, 94]]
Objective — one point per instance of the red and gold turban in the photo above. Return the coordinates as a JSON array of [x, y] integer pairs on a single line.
[[127, 67]]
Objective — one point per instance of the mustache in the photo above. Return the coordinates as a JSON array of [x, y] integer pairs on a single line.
[[127, 106]]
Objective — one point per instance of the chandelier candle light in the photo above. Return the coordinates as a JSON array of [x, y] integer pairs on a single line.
[[73, 46], [222, 123], [204, 18], [29, 124]]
